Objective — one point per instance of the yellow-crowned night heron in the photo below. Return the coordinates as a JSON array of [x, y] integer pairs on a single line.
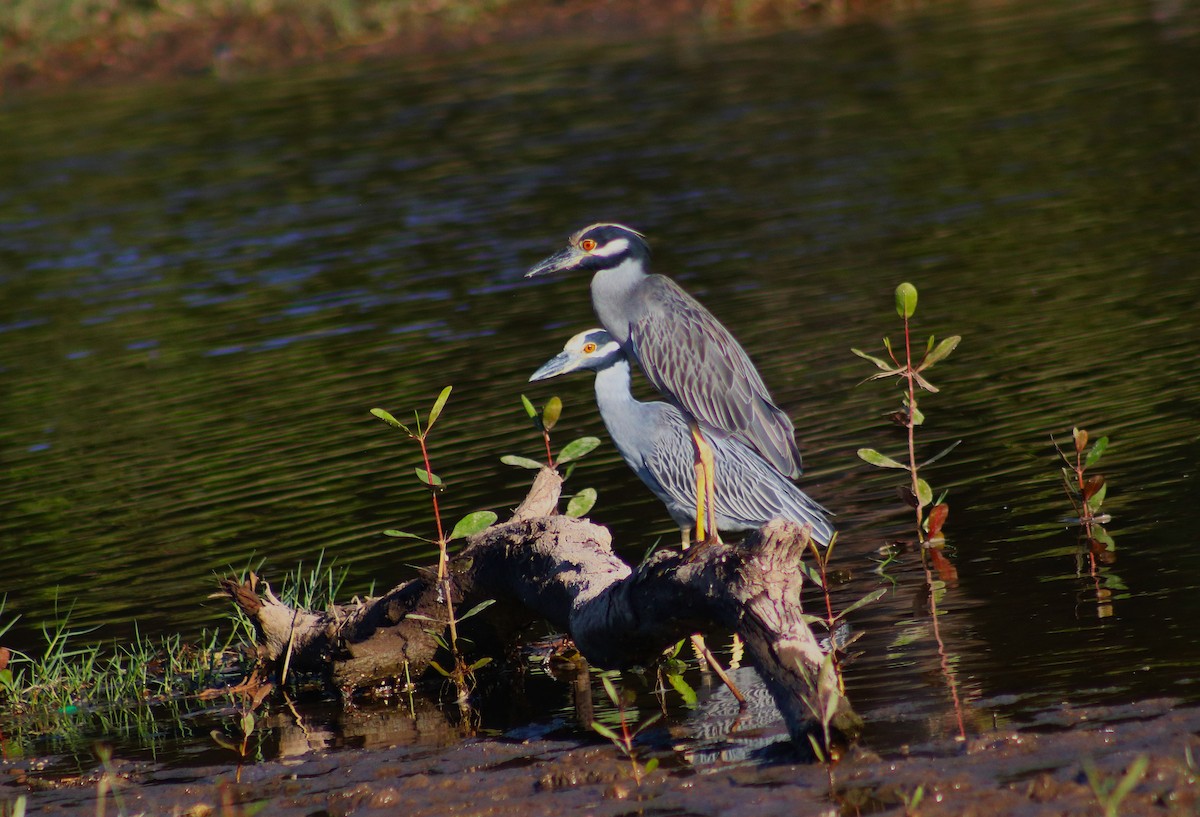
[[682, 349], [655, 442]]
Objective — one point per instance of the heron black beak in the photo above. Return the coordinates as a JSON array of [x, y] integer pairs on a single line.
[[568, 259], [561, 363]]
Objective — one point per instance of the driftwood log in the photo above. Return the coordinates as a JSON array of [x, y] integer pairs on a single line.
[[562, 569]]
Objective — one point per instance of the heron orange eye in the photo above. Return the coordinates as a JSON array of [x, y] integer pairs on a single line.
[[587, 245], [589, 347]]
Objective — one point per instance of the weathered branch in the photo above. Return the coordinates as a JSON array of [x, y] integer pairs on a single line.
[[564, 570]]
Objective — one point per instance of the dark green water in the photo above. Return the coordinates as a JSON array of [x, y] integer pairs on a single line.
[[205, 287]]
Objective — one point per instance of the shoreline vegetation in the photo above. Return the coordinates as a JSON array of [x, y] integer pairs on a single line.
[[63, 43]]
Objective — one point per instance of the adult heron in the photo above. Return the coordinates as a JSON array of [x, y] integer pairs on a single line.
[[655, 441], [683, 350]]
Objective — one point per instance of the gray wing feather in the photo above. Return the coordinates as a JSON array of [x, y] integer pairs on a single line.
[[695, 362], [749, 491]]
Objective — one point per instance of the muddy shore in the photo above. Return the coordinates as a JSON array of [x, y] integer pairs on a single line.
[[1035, 771]]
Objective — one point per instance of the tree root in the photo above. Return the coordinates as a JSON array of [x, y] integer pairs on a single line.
[[564, 570]]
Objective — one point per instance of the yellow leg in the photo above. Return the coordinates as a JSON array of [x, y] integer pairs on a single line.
[[710, 489], [706, 488], [701, 513]]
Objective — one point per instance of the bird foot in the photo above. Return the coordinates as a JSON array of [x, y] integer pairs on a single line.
[[698, 547]]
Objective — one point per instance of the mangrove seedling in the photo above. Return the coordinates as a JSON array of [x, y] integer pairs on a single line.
[[252, 693], [930, 515], [544, 421], [624, 739], [1087, 493], [467, 526], [820, 576]]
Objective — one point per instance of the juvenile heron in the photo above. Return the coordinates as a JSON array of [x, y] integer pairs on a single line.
[[683, 350], [655, 441]]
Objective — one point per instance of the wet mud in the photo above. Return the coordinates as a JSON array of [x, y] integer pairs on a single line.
[[1037, 770]]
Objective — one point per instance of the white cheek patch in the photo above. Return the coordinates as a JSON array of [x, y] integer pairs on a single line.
[[607, 349], [614, 247]]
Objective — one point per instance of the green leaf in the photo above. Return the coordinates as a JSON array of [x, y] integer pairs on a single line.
[[923, 383], [521, 462], [439, 668], [577, 448], [551, 412], [646, 724], [428, 478], [941, 351], [1104, 537], [811, 574], [1133, 776], [924, 493], [684, 689], [390, 420], [248, 723], [815, 743], [1096, 453], [610, 689], [606, 732], [472, 523], [403, 534], [878, 361], [1097, 499], [875, 594], [831, 704], [532, 412], [482, 662], [478, 608], [223, 741], [873, 457], [582, 502], [906, 300], [438, 405], [941, 454], [827, 680], [650, 765], [918, 417]]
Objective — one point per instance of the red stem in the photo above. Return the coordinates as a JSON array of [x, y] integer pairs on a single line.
[[437, 516], [912, 407], [830, 621], [912, 462]]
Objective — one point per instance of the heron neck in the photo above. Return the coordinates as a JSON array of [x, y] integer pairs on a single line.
[[624, 417], [613, 296]]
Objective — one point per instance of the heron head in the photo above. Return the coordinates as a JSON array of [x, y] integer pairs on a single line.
[[594, 248], [593, 349]]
